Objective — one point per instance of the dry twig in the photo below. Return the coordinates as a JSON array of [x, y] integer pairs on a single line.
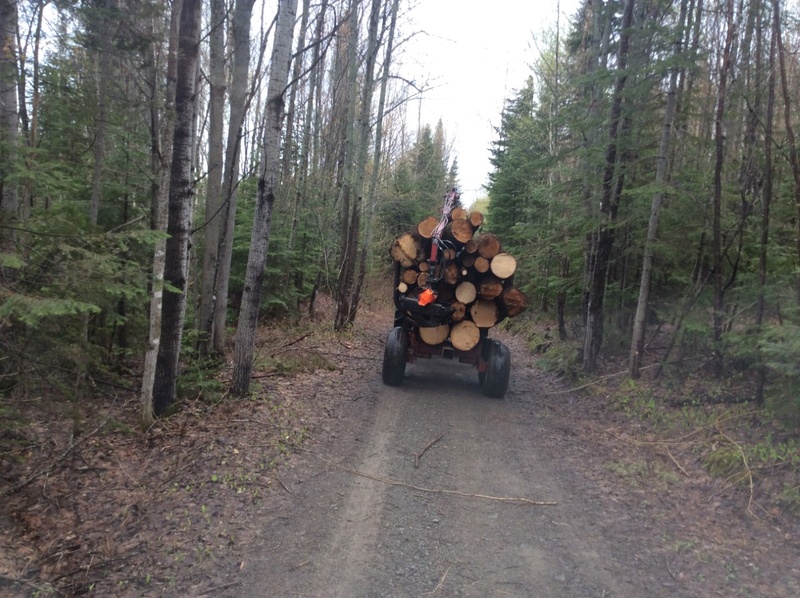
[[389, 482], [593, 382], [418, 456], [676, 463], [219, 588], [748, 473], [441, 582]]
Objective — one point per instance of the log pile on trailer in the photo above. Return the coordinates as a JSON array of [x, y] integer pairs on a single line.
[[477, 280], [452, 284]]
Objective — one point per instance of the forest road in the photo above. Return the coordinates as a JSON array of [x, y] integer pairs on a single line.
[[359, 519]]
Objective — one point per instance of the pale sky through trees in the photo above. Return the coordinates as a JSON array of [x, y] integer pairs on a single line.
[[475, 54]]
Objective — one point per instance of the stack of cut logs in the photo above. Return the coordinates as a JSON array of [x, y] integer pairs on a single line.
[[476, 282]]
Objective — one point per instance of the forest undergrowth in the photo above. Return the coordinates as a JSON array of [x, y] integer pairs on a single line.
[[684, 413]]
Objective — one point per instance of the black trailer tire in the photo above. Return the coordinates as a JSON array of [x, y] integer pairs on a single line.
[[498, 370], [394, 356]]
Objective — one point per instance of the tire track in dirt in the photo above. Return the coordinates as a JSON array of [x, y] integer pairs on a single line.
[[358, 522]]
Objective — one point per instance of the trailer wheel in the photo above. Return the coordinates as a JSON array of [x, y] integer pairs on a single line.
[[394, 356], [498, 369]]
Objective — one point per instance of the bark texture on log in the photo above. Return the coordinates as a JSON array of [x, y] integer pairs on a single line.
[[488, 246], [514, 301]]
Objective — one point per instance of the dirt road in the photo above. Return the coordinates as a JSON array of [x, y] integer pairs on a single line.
[[326, 483], [360, 519]]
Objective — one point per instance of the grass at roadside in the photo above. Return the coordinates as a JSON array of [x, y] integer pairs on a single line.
[[688, 416]]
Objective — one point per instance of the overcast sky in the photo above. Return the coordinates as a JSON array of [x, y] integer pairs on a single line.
[[475, 57]]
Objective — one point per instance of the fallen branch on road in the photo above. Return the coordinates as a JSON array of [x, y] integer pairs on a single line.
[[389, 482], [418, 456]]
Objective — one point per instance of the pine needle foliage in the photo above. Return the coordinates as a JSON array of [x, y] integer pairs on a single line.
[[61, 308]]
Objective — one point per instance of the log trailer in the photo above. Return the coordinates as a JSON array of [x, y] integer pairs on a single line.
[[428, 313]]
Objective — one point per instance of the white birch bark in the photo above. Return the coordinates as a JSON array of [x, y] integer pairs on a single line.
[[160, 156], [267, 188], [212, 227]]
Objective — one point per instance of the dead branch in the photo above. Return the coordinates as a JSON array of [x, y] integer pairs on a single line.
[[441, 582], [285, 488], [224, 586], [748, 472], [676, 463], [24, 582], [682, 439], [265, 375], [389, 482], [593, 382], [418, 456], [33, 477], [289, 344]]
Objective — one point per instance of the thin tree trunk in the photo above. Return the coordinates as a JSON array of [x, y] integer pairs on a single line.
[[267, 187], [214, 201], [238, 101], [768, 176], [608, 206], [349, 215], [377, 155], [365, 130], [181, 190], [9, 118], [790, 136], [101, 117], [289, 153], [593, 43], [719, 134], [306, 140], [161, 135], [640, 318]]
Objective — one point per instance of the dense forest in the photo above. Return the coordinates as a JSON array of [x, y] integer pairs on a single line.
[[172, 172], [648, 171]]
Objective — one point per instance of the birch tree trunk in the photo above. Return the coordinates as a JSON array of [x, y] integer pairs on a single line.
[[348, 237], [362, 154], [179, 219], [637, 338], [267, 187], [161, 135], [212, 228], [238, 101]]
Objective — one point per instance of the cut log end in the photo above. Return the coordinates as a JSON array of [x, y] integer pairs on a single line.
[[426, 227], [434, 335], [465, 335], [503, 265], [466, 293], [484, 313]]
